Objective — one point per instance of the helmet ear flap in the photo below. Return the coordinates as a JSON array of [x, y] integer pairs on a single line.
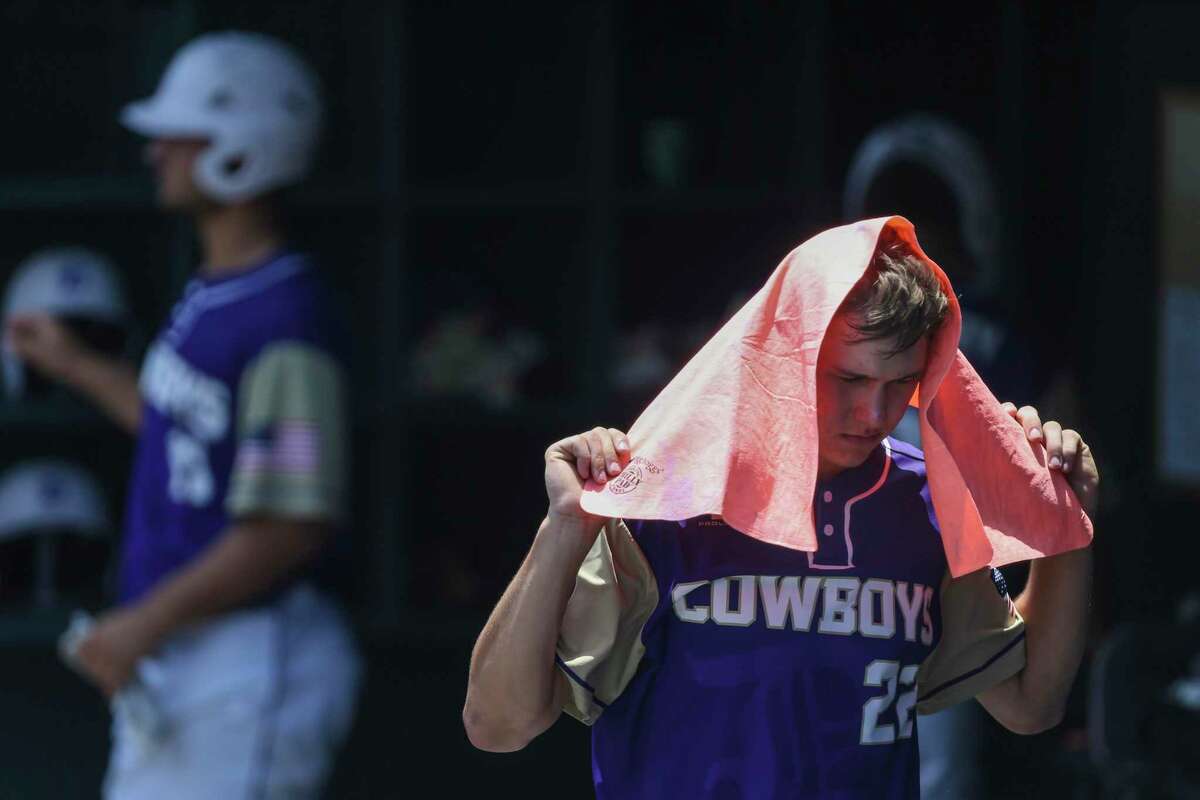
[[232, 165], [227, 174]]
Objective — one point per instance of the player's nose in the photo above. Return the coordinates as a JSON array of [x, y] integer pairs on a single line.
[[870, 413]]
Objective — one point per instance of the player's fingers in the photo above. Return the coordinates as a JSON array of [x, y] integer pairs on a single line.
[[91, 661], [1010, 409], [611, 467], [15, 341], [1054, 444], [19, 329], [28, 335], [582, 455], [595, 439], [1072, 443], [573, 450], [87, 649], [1031, 422], [106, 680], [31, 323], [621, 447], [621, 443]]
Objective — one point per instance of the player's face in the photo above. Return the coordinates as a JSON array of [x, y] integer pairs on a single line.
[[173, 160], [861, 393]]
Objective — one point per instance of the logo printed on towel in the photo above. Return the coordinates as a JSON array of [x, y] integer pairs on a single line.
[[632, 475]]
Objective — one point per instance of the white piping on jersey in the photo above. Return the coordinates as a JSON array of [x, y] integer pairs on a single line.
[[887, 463], [205, 298]]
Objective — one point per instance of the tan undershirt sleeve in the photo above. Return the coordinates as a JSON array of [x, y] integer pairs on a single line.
[[292, 431], [600, 642], [982, 644]]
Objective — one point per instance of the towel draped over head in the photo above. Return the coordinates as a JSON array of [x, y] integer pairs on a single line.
[[735, 432]]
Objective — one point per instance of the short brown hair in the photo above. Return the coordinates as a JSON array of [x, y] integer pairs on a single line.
[[898, 297]]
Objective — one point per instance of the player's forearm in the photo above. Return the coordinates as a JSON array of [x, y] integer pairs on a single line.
[[511, 689], [247, 561], [112, 385], [1055, 605]]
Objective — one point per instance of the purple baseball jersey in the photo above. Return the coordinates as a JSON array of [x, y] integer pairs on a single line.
[[714, 665], [237, 416]]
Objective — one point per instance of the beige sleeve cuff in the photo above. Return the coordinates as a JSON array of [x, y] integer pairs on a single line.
[[292, 430], [600, 641], [982, 644]]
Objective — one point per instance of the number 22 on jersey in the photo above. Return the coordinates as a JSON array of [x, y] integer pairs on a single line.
[[890, 676]]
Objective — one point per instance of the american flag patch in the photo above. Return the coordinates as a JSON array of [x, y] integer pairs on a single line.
[[291, 446]]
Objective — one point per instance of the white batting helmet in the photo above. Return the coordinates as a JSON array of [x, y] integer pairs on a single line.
[[54, 528], [50, 495], [69, 282], [253, 97], [949, 152]]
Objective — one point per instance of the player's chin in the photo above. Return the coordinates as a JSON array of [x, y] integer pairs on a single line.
[[168, 199], [177, 195], [859, 442], [855, 449]]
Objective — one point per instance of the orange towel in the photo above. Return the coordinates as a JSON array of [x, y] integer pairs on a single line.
[[735, 432]]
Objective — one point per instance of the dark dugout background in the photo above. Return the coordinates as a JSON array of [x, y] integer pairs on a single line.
[[514, 202]]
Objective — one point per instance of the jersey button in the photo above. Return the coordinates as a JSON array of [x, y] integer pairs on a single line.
[[828, 496], [828, 529]]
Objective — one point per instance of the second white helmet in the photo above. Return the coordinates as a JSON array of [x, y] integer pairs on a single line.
[[77, 285], [50, 495], [253, 97], [54, 527], [946, 150]]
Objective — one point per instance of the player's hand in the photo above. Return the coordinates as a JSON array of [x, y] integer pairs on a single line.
[[111, 651], [45, 343], [1066, 452], [599, 454]]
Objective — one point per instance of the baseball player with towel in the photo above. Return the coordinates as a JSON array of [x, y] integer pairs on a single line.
[[756, 591], [233, 673]]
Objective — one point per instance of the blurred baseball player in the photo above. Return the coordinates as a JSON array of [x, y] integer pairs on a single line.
[[716, 664], [239, 477]]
